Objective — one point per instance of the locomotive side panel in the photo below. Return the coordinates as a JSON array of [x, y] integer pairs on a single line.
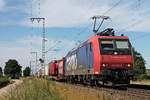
[[96, 56], [85, 59], [71, 64], [80, 61]]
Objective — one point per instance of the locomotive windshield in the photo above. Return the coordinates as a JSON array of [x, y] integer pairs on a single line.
[[107, 44], [119, 47], [122, 44]]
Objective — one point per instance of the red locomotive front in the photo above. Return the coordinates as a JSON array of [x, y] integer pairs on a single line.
[[113, 60], [116, 53]]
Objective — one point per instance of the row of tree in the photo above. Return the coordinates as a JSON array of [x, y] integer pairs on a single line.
[[140, 71], [1, 72], [13, 69], [139, 63]]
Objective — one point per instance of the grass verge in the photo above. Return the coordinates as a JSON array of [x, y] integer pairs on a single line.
[[72, 92], [143, 82], [40, 89], [34, 89]]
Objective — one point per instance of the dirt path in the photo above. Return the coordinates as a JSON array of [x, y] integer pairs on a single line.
[[4, 92]]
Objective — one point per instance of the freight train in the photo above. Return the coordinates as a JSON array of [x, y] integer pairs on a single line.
[[102, 59]]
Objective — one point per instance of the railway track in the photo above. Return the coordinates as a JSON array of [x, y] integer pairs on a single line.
[[139, 90], [139, 94], [133, 92]]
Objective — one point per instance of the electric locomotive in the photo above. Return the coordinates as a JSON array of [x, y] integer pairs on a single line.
[[102, 59]]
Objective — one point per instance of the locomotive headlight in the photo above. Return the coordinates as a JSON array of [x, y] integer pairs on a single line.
[[128, 65], [104, 65]]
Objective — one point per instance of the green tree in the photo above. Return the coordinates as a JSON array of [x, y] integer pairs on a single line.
[[139, 64], [27, 71], [12, 69], [1, 72]]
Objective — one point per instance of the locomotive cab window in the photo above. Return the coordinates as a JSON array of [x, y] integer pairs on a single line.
[[123, 47], [114, 46], [121, 44], [107, 44]]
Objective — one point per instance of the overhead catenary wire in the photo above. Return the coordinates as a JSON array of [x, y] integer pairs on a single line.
[[53, 46], [115, 5], [141, 36], [134, 24], [90, 7], [137, 22], [107, 11], [39, 7]]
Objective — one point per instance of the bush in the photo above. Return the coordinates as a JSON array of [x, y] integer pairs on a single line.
[[144, 77], [3, 81], [27, 71], [12, 69]]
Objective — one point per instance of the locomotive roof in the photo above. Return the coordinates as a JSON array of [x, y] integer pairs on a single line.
[[113, 37], [97, 36], [106, 34]]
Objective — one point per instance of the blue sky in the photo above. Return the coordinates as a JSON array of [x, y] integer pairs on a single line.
[[68, 21]]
